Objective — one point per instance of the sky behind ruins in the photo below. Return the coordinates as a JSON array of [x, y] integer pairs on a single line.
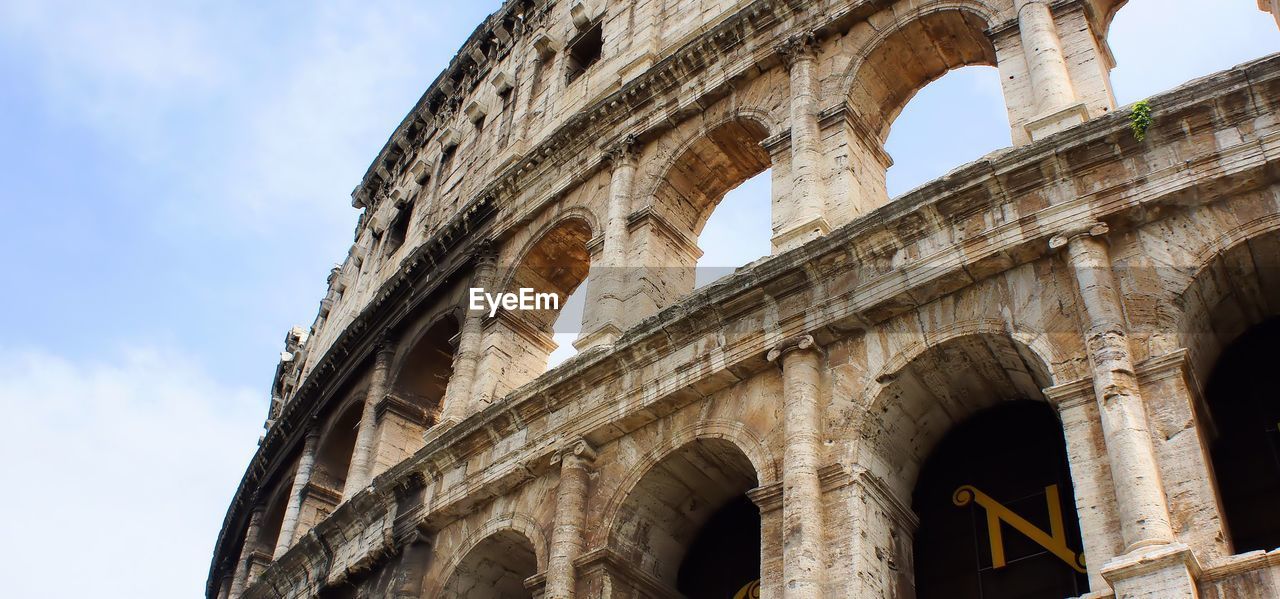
[[175, 189]]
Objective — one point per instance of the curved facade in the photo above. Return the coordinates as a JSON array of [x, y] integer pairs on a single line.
[[1009, 382]]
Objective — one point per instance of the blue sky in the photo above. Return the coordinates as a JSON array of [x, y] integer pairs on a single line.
[[175, 187]]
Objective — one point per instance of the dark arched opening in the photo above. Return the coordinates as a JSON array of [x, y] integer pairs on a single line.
[[1245, 406], [495, 568], [996, 509], [688, 523], [724, 559]]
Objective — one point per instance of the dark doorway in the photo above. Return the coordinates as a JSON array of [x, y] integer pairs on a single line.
[[1245, 405], [1005, 463], [725, 557]]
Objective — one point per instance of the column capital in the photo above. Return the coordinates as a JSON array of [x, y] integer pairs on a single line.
[[486, 252], [577, 450], [384, 349], [623, 152], [792, 344], [799, 47], [1086, 229]]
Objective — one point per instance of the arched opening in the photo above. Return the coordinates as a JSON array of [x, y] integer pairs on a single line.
[[688, 523], [921, 437], [720, 159], [1246, 448], [416, 394], [333, 457], [738, 231], [1209, 38], [520, 341], [1231, 326], [495, 568], [907, 60], [1009, 463], [950, 122]]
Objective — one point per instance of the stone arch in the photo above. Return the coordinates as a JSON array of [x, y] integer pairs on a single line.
[[421, 368], [706, 164], [1231, 284], [518, 343], [673, 490], [555, 259], [337, 443], [495, 557], [1228, 318], [1040, 351], [930, 387], [937, 37]]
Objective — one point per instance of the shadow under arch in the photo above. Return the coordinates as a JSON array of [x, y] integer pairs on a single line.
[[929, 401], [1229, 321], [660, 515], [493, 566]]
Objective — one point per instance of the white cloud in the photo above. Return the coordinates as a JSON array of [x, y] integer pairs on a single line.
[[117, 473]]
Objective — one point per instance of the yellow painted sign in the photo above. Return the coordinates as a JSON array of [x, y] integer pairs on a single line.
[[1055, 540], [751, 591]]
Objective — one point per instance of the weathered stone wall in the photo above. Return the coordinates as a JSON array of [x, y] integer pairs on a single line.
[[1082, 268]]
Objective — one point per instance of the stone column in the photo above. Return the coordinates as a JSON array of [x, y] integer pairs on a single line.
[[570, 519], [241, 580], [306, 462], [1095, 495], [806, 219], [224, 586], [606, 315], [460, 390], [1144, 513], [1055, 99], [358, 474], [802, 522]]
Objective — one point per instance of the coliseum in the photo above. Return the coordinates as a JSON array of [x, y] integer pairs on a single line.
[[1042, 375]]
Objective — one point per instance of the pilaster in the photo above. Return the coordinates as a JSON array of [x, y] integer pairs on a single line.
[[359, 475], [567, 542], [805, 217], [803, 554]]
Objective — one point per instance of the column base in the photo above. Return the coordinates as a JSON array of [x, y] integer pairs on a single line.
[[604, 335], [800, 234], [1161, 571], [437, 429], [1047, 124]]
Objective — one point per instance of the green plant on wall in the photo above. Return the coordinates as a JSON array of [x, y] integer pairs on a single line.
[[1140, 119]]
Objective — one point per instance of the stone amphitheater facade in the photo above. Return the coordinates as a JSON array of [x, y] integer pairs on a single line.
[[875, 392]]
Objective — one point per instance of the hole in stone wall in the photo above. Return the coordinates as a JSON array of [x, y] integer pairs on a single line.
[[1246, 447], [738, 231], [569, 325], [1149, 60], [584, 51], [956, 119]]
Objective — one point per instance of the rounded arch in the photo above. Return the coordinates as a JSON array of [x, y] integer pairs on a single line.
[[1042, 352], [674, 489], [1232, 284], [336, 443], [513, 541], [418, 332], [555, 260], [930, 387], [917, 49], [708, 162], [421, 368]]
